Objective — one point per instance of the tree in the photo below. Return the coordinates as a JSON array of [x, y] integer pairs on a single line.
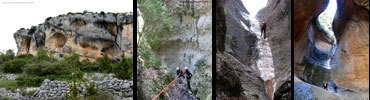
[[123, 69], [105, 64], [9, 55], [14, 66]]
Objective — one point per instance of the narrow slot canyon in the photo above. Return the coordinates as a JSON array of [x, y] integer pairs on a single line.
[[331, 47], [253, 60]]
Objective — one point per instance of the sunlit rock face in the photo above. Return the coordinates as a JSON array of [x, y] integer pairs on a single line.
[[88, 34], [351, 28]]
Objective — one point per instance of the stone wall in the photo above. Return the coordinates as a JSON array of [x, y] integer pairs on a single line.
[[58, 89]]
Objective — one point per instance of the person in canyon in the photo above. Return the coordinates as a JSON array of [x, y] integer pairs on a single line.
[[188, 76], [335, 88], [326, 86], [263, 29], [180, 73]]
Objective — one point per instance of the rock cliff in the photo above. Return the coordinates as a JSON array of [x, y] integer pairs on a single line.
[[177, 34], [351, 28], [349, 61], [237, 75], [240, 64], [277, 15], [88, 34]]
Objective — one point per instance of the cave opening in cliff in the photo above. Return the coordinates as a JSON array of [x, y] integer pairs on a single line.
[[325, 20]]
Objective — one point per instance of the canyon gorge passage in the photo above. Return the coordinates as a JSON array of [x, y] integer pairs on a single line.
[[253, 67], [337, 57]]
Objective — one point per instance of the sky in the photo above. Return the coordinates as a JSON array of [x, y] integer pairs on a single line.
[[331, 9], [253, 6], [16, 14]]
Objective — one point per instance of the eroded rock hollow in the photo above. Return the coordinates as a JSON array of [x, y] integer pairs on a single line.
[[88, 34]]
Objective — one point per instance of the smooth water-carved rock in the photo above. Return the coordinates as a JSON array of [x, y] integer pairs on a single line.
[[351, 28], [88, 34]]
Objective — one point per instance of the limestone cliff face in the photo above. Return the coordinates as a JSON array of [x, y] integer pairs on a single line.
[[236, 52], [188, 42], [351, 28], [88, 34], [277, 15]]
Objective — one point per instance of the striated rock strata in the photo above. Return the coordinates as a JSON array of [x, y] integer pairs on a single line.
[[88, 34]]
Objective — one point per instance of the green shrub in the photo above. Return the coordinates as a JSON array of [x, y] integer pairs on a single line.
[[155, 62], [123, 69], [91, 90], [29, 81], [9, 55], [14, 66], [78, 75], [42, 54], [200, 63], [88, 66], [9, 84], [73, 91], [73, 60], [153, 12], [29, 93], [26, 56], [56, 69], [33, 69], [105, 64]]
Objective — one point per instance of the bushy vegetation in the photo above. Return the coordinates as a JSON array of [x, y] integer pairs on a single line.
[[200, 63], [33, 70], [91, 93], [9, 55], [121, 70], [105, 64], [14, 66], [29, 81], [154, 14]]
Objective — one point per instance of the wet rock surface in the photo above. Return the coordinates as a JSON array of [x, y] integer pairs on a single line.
[[88, 34]]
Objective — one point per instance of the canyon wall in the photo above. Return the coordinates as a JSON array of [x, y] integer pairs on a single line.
[[180, 36], [277, 15], [237, 75], [88, 34], [349, 65], [351, 28]]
